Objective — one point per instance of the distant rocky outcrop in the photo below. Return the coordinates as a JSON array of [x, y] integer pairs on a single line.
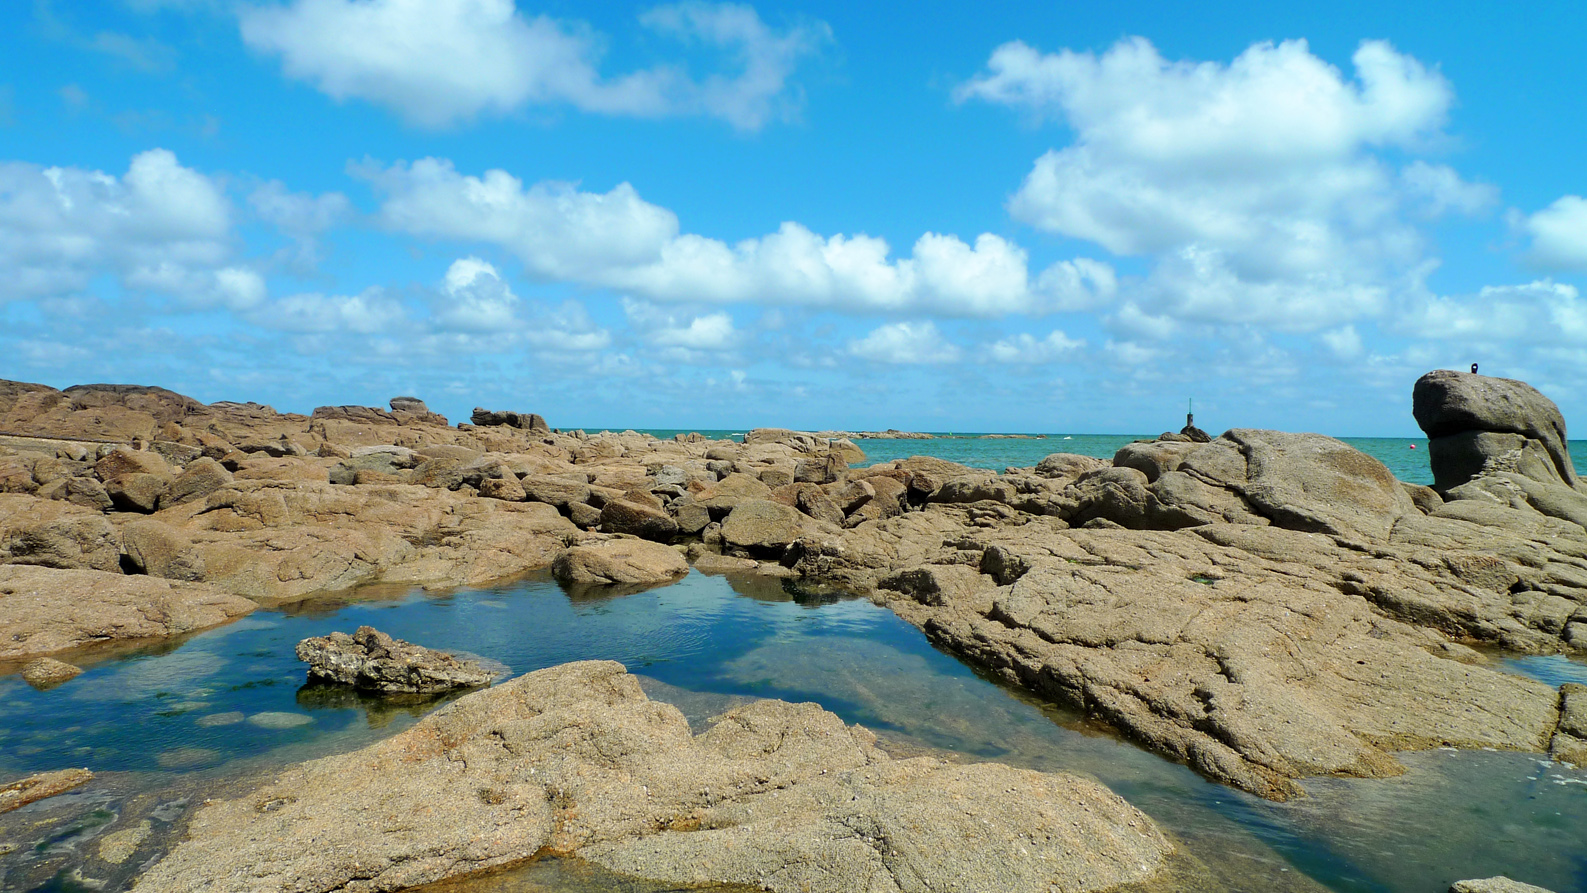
[[373, 661], [527, 421], [1477, 424], [574, 760]]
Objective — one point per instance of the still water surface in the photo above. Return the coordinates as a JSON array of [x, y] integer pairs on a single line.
[[231, 701]]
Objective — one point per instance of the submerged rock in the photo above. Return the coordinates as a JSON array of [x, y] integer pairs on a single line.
[[47, 672], [370, 659], [45, 784], [575, 760]]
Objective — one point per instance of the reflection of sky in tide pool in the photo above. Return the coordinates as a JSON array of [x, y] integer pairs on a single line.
[[233, 696]]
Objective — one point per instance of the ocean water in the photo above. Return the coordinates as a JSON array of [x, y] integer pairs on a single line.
[[166, 727], [1405, 456]]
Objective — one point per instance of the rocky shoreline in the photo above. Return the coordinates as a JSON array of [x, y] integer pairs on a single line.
[[1262, 606]]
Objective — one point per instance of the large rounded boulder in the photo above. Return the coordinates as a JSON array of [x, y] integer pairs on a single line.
[[1472, 420]]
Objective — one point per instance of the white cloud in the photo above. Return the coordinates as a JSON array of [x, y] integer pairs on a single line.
[[367, 313], [568, 328], [1027, 349], [1559, 235], [298, 214], [1344, 342], [1536, 313], [475, 298], [234, 288], [60, 227], [617, 240], [1440, 190], [438, 62], [1256, 185], [905, 343], [711, 332]]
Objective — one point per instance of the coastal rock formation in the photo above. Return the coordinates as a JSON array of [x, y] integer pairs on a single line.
[[527, 421], [373, 661], [1499, 884], [575, 760], [43, 610], [620, 560], [1474, 420]]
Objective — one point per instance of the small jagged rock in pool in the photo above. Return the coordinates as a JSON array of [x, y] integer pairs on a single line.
[[36, 787], [370, 659], [47, 672], [1499, 884]]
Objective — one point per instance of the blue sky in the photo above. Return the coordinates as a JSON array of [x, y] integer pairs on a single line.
[[1067, 218]]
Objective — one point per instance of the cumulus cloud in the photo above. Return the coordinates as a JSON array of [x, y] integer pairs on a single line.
[[1259, 185], [1027, 349], [234, 288], [160, 221], [618, 240], [566, 329], [1559, 235], [370, 312], [712, 332], [438, 62], [905, 343], [1536, 313], [298, 214]]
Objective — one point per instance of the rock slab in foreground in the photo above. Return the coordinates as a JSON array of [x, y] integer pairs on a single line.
[[576, 760], [371, 660], [44, 610]]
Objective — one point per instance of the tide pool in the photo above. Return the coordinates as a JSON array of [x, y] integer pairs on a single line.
[[204, 716]]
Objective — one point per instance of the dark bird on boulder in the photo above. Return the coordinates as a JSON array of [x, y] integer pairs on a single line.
[[1473, 368]]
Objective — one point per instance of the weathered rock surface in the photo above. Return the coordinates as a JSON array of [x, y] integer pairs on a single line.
[[43, 610], [1457, 410], [575, 760], [50, 533], [621, 560], [20, 793], [371, 660], [46, 672], [1255, 654], [1499, 884]]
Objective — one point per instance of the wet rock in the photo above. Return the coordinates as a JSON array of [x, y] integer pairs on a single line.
[[1570, 739], [47, 672], [1463, 406], [621, 560], [45, 784], [369, 659], [44, 610], [574, 760], [1499, 884]]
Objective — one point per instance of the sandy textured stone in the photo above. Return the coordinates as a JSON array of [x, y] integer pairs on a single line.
[[623, 560], [43, 610], [575, 760]]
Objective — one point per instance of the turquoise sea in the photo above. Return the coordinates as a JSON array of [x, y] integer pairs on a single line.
[[1406, 457]]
